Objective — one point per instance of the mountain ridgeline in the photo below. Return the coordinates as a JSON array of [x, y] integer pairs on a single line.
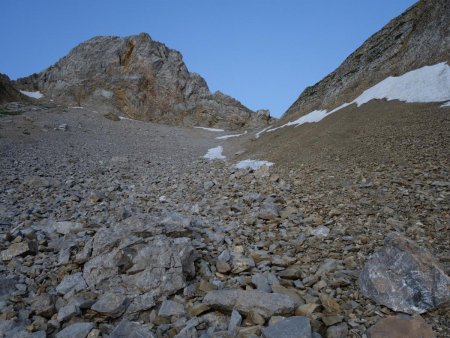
[[143, 79], [418, 37]]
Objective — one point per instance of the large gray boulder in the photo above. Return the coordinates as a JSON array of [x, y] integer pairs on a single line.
[[154, 266], [141, 258], [404, 277], [141, 78], [141, 225]]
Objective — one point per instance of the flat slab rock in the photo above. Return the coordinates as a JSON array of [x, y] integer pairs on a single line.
[[266, 304], [131, 330], [77, 330], [71, 282], [292, 327], [401, 326], [7, 287], [18, 249], [141, 225], [66, 227], [110, 304], [170, 308], [404, 277]]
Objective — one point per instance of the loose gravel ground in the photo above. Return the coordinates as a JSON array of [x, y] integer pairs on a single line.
[[301, 230]]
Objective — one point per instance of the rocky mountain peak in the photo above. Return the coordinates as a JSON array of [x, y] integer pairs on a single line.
[[142, 78]]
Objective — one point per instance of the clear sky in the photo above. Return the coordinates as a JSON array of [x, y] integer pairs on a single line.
[[262, 52]]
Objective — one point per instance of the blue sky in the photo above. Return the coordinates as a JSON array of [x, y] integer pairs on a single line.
[[262, 52]]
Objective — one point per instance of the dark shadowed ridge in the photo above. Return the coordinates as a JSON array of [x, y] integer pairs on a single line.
[[8, 92]]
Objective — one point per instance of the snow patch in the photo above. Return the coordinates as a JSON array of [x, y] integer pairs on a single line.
[[261, 131], [342, 106], [446, 104], [215, 154], [34, 95], [314, 116], [76, 107], [127, 118], [426, 84], [252, 164], [210, 129], [224, 137], [103, 92]]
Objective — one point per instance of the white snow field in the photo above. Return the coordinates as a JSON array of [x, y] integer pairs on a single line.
[[128, 119], [34, 95], [261, 131], [225, 137], [426, 84], [215, 154], [210, 129], [252, 164]]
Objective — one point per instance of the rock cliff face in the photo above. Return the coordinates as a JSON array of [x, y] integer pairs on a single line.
[[7, 91], [418, 37], [141, 78]]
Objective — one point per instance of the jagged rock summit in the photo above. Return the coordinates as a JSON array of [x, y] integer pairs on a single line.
[[142, 78], [418, 37]]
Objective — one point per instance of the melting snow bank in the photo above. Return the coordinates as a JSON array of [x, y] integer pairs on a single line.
[[127, 118], [210, 129], [446, 104], [252, 164], [215, 154], [224, 137], [34, 95], [426, 84], [261, 131]]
